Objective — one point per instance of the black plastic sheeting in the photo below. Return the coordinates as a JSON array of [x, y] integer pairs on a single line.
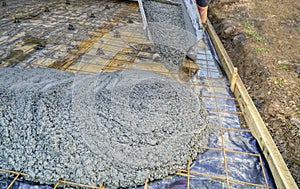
[[241, 167]]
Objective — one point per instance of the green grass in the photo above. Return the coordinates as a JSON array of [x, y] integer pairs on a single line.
[[259, 39], [282, 67], [246, 23], [217, 14], [259, 50], [267, 15], [280, 81], [298, 29], [251, 32]]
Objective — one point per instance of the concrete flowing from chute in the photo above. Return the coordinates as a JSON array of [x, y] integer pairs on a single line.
[[171, 30]]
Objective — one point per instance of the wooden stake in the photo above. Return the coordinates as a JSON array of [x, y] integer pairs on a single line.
[[233, 79]]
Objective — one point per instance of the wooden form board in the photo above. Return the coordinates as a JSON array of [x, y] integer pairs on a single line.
[[282, 176]]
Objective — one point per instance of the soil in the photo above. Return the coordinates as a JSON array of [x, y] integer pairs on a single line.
[[263, 40]]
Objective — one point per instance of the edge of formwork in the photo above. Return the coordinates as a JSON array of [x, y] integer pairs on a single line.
[[279, 169]]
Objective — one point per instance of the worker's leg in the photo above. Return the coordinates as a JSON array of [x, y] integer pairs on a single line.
[[202, 6], [203, 13]]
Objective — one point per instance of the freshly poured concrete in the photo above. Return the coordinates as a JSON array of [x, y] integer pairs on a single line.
[[119, 127], [171, 30]]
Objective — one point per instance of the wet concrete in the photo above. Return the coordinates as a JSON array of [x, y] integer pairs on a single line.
[[119, 127], [171, 30]]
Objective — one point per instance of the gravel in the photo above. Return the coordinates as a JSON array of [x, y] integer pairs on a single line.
[[119, 127]]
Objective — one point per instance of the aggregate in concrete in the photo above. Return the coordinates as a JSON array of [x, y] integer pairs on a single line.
[[171, 30], [119, 127]]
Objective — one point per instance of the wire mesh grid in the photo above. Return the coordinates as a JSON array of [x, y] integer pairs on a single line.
[[214, 80], [128, 48]]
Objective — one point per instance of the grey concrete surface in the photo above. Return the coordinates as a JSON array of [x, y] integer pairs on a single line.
[[119, 127], [171, 30]]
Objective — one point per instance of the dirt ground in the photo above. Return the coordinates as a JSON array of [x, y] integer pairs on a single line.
[[263, 41]]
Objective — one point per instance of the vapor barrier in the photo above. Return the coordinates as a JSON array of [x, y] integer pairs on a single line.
[[233, 158]]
